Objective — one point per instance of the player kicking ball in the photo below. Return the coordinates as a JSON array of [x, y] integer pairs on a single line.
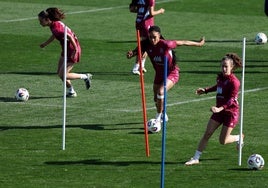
[[158, 49], [51, 18]]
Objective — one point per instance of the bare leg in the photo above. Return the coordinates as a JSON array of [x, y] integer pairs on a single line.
[[159, 98], [226, 137], [211, 127], [69, 76]]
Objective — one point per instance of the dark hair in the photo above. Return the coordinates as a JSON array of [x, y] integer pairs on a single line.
[[155, 28], [133, 6], [53, 13], [234, 58], [133, 3], [146, 42]]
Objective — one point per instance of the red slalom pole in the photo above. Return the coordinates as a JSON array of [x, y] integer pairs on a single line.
[[143, 96]]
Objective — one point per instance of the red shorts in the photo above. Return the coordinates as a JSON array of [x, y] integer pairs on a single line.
[[174, 76], [77, 56], [227, 118], [144, 27]]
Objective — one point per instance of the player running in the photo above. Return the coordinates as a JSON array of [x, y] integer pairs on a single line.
[[145, 10], [226, 111], [157, 49], [51, 18]]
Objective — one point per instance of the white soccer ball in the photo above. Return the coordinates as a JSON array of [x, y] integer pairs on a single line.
[[22, 94], [261, 38], [154, 126], [255, 162]]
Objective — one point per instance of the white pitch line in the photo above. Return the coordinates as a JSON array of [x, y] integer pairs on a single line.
[[80, 12], [125, 110], [186, 102]]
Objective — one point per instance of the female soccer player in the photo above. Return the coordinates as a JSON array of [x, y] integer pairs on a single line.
[[157, 49], [52, 17], [145, 10], [226, 111]]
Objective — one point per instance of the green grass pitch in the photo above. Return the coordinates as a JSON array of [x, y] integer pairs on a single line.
[[104, 134]]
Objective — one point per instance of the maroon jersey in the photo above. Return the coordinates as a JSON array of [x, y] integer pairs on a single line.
[[157, 54], [227, 88], [144, 20], [57, 29], [143, 10]]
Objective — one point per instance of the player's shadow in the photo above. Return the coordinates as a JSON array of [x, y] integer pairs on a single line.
[[13, 99], [91, 127], [8, 99], [98, 127], [32, 73], [101, 162], [44, 97], [240, 169]]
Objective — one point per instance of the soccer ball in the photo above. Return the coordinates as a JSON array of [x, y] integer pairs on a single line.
[[153, 126], [255, 162], [22, 94], [261, 38]]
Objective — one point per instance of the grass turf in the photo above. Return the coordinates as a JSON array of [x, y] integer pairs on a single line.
[[104, 142]]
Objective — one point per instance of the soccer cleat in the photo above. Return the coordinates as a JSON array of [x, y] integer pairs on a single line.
[[137, 72], [88, 81], [238, 143], [166, 118], [71, 95], [144, 70], [192, 161]]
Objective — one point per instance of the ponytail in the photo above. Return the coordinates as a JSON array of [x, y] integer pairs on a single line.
[[54, 14]]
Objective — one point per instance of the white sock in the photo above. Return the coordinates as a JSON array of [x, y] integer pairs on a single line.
[[158, 116], [143, 62], [83, 76], [237, 138], [136, 66], [197, 154]]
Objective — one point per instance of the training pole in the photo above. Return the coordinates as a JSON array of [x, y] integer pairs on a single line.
[[164, 125], [242, 102], [143, 96], [64, 89]]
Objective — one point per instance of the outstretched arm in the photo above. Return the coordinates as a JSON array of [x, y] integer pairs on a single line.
[[201, 42], [51, 38], [156, 12]]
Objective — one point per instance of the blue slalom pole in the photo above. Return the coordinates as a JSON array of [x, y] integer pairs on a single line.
[[164, 124]]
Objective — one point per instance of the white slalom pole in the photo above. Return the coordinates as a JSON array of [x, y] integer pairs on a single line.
[[242, 102], [64, 89]]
